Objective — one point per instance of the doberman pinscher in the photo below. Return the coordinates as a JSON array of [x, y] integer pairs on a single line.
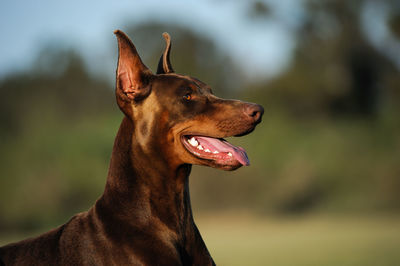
[[144, 216]]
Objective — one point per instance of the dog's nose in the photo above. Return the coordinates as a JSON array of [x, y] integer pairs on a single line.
[[254, 112]]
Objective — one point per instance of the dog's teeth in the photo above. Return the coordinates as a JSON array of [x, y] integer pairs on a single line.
[[207, 150], [216, 152], [230, 154], [200, 147], [193, 142]]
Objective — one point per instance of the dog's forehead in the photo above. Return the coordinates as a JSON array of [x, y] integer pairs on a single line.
[[182, 81]]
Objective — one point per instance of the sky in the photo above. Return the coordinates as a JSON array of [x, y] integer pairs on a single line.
[[27, 25]]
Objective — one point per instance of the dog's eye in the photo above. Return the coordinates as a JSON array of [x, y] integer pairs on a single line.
[[187, 97]]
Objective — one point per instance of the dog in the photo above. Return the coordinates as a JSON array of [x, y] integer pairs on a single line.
[[144, 216]]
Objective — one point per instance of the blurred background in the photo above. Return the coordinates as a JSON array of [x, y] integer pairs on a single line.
[[323, 187]]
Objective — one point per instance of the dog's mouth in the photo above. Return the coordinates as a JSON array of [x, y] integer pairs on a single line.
[[217, 150]]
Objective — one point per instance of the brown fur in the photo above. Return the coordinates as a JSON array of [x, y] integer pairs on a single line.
[[144, 216]]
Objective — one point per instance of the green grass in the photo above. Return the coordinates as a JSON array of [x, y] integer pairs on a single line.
[[316, 240]]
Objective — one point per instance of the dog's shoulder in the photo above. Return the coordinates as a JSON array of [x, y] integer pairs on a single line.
[[44, 249], [39, 248]]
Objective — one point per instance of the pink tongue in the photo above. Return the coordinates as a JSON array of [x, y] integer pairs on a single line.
[[223, 146]]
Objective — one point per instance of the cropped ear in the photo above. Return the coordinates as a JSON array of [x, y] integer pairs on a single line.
[[164, 65], [132, 75]]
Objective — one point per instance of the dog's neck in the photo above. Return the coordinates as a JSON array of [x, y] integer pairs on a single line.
[[142, 188]]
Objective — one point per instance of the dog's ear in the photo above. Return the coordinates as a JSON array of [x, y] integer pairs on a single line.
[[164, 65], [132, 75]]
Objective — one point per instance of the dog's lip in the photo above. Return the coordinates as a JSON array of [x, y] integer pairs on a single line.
[[200, 134], [244, 133], [226, 153]]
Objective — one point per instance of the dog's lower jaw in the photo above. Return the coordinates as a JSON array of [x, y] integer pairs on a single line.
[[147, 211]]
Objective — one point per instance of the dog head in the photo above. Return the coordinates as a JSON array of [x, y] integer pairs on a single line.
[[177, 116]]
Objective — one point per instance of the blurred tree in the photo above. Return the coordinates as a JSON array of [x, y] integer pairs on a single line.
[[259, 9], [57, 82], [335, 69], [393, 19]]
